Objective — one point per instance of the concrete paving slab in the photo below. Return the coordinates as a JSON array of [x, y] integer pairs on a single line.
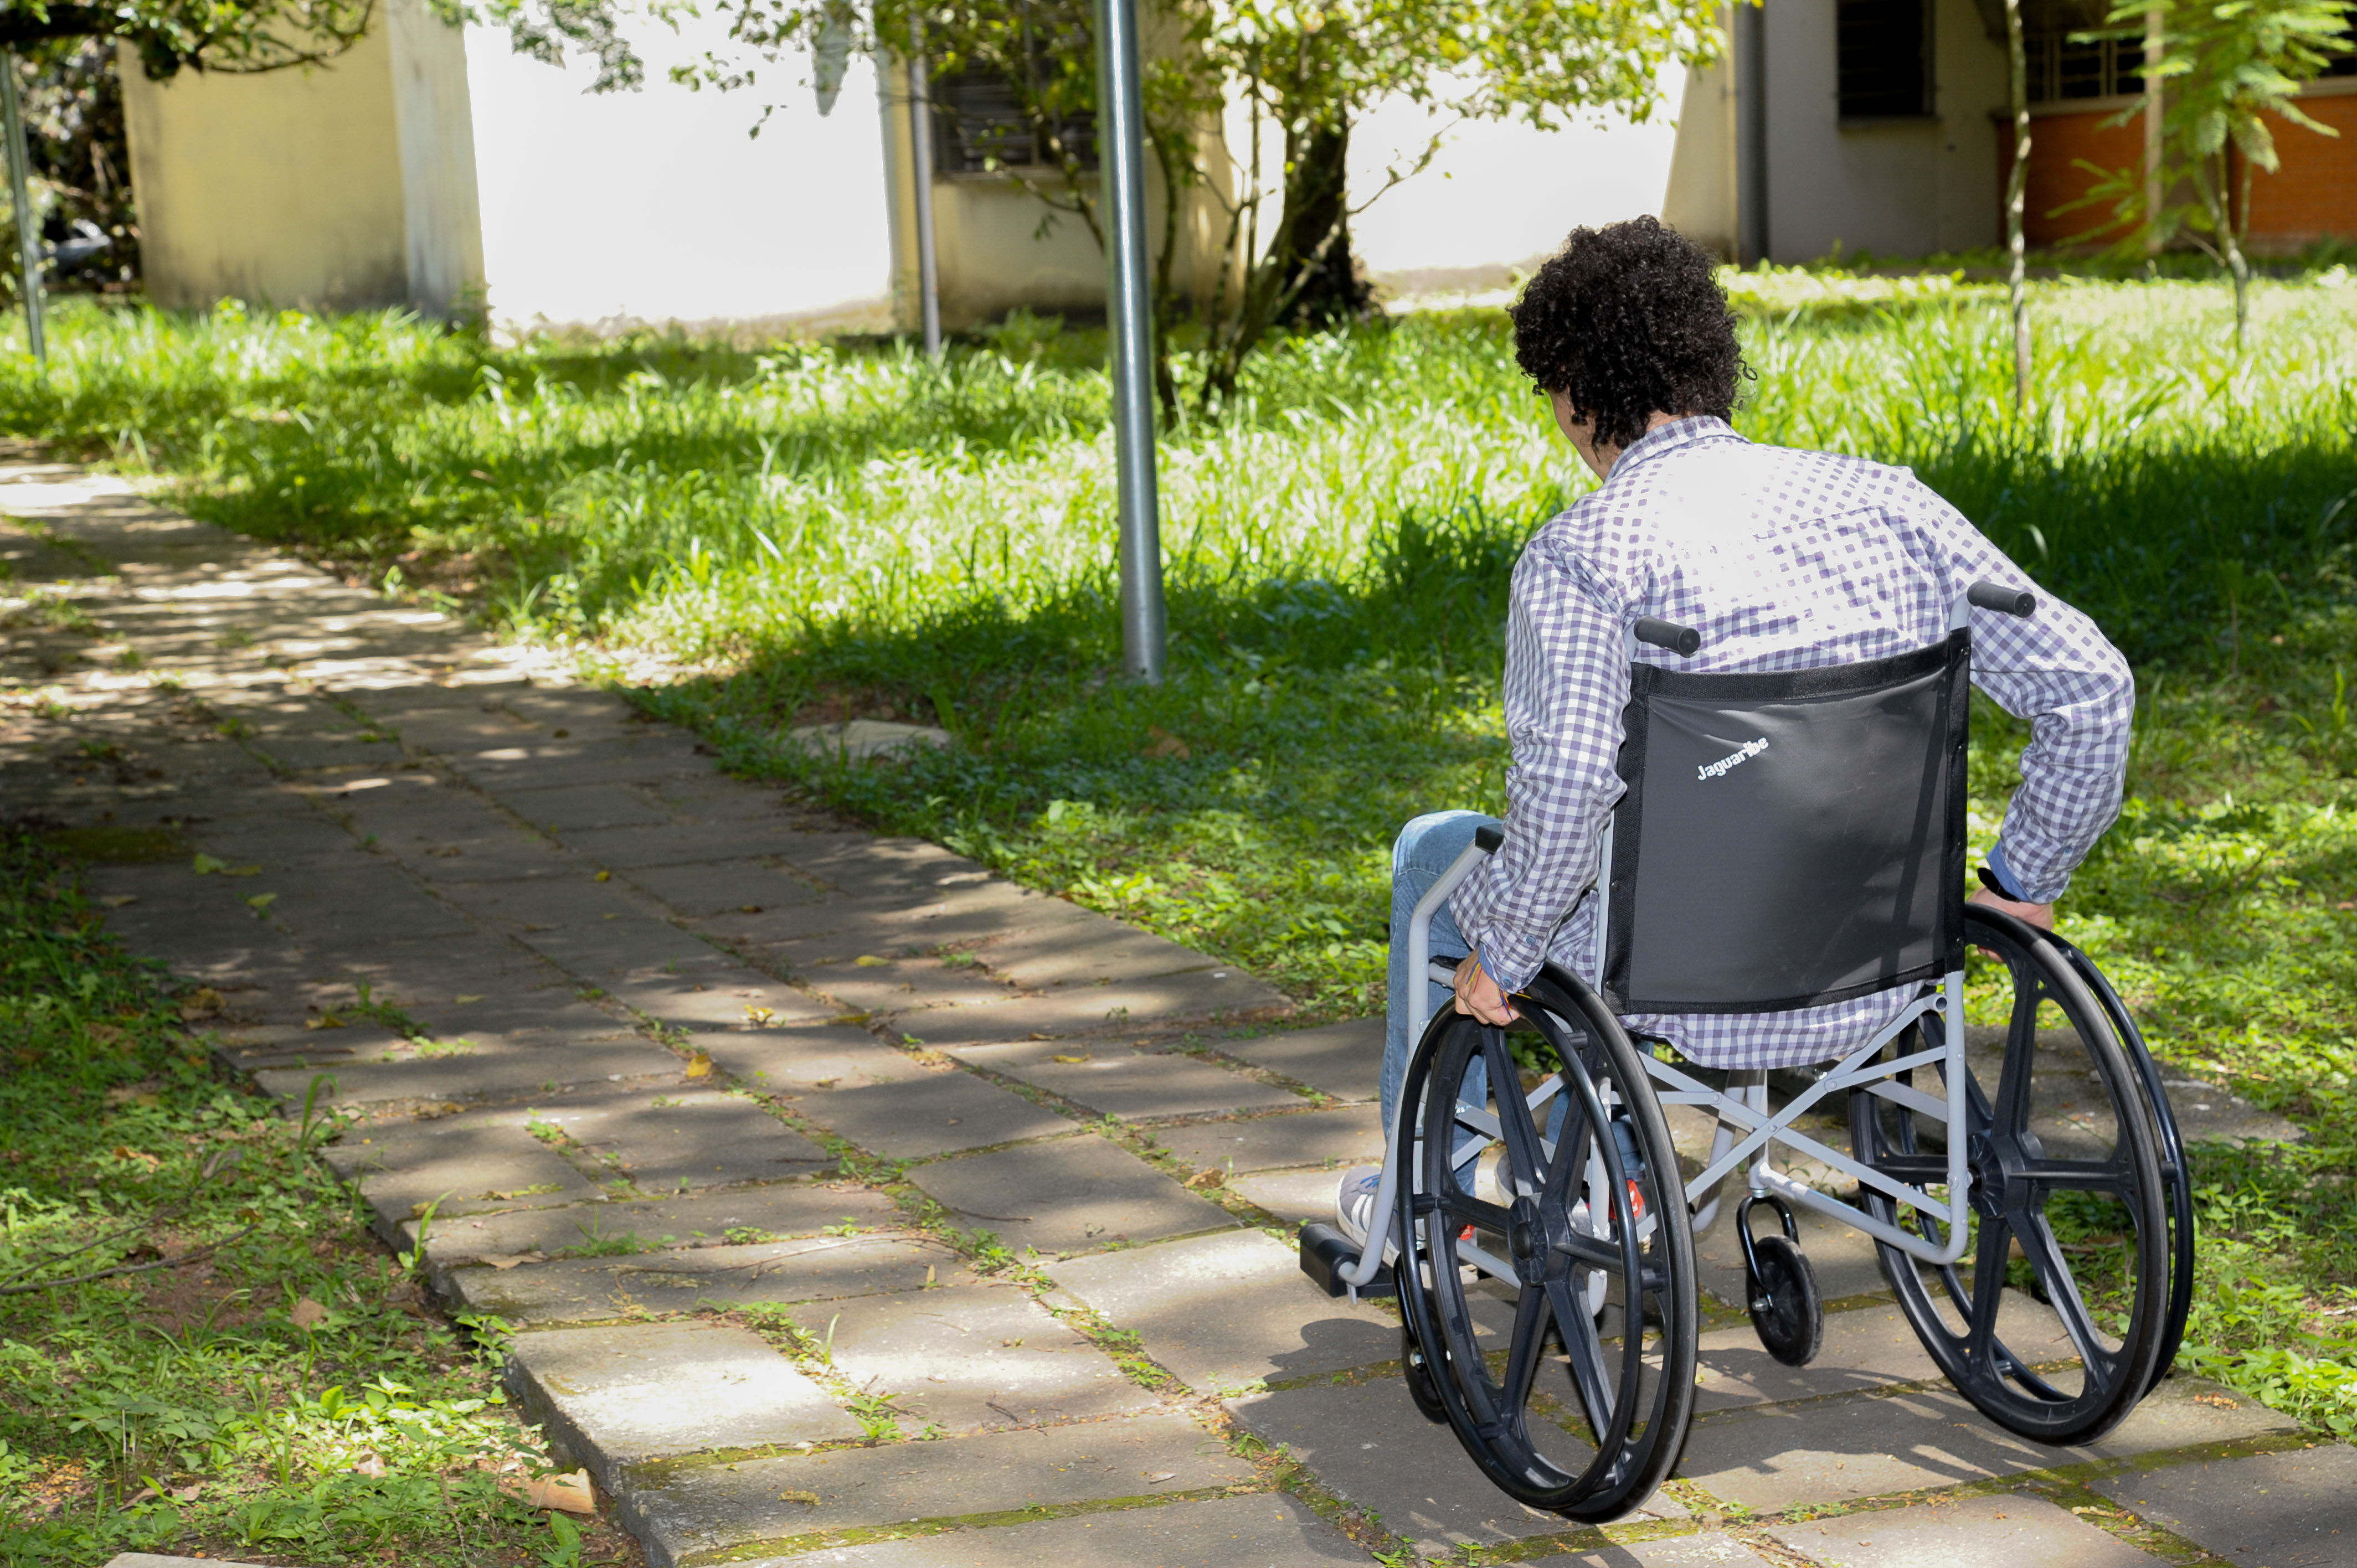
[[800, 1208], [592, 1289], [671, 1143], [696, 1509], [1067, 1195], [974, 1357], [459, 1165], [928, 1113], [490, 1071], [1332, 1139], [1295, 1197], [623, 948], [1095, 1008], [573, 808], [896, 982], [1979, 1533], [1773, 1456], [654, 842], [886, 867], [1706, 1550], [1264, 1527], [791, 1059], [611, 1398], [1099, 952], [1868, 1348], [744, 886], [2294, 1510], [451, 863], [571, 901], [1345, 1060], [360, 905], [717, 997], [1135, 1086], [1367, 1442], [1229, 1310]]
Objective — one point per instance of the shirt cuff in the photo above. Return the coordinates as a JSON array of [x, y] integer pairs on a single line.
[[2008, 883]]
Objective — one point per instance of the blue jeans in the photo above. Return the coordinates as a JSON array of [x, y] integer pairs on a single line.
[[1424, 848]]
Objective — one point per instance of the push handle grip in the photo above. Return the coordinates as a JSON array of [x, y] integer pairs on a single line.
[[1682, 640], [1488, 839], [1997, 596]]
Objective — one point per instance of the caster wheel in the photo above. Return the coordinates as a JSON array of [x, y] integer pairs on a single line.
[[1420, 1386], [1785, 1309]]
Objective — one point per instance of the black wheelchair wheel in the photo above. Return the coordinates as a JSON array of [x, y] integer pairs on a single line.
[[1786, 1310], [2175, 1172], [1585, 1410], [2059, 1329], [1418, 1370]]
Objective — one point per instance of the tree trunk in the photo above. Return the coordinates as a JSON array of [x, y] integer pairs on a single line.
[[1315, 259], [2230, 234], [2016, 193]]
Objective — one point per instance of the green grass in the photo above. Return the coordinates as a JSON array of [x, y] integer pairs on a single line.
[[243, 1370], [816, 531]]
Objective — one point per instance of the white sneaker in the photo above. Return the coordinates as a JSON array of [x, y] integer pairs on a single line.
[[1354, 1208]]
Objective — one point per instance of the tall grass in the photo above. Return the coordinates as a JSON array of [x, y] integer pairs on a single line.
[[818, 529]]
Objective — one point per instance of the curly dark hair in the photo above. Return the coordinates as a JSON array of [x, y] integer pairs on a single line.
[[1626, 319]]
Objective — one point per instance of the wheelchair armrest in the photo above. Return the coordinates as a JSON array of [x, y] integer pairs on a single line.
[[1488, 839]]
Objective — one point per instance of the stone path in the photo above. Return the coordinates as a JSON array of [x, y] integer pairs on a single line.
[[848, 1205]]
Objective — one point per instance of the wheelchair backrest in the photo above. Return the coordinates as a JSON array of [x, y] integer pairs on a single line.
[[1789, 838]]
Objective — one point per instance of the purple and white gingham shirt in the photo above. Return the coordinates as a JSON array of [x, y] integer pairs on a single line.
[[1782, 560]]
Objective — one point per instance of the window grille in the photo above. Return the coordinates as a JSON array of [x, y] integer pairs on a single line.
[[1884, 58], [2065, 65], [979, 125]]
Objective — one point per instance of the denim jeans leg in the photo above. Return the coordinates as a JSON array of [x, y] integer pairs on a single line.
[[1424, 848]]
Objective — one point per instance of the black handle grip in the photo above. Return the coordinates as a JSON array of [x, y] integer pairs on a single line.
[[1997, 596], [1682, 640], [1488, 839]]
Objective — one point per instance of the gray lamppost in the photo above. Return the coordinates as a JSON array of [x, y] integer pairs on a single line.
[[1129, 322], [28, 233]]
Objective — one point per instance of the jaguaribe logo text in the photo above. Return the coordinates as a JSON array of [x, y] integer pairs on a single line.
[[1741, 754]]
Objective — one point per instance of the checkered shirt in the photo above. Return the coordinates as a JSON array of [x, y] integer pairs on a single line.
[[1782, 560]]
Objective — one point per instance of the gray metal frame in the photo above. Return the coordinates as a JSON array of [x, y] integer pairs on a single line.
[[1746, 1130]]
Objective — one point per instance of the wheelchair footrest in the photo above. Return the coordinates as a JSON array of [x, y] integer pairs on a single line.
[[1326, 1253]]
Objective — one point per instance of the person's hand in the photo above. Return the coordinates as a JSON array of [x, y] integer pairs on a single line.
[[2038, 914], [1477, 994]]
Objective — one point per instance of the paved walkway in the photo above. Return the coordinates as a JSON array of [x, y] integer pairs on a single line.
[[711, 1101]]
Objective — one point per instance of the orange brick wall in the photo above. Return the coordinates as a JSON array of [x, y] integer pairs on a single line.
[[2312, 196]]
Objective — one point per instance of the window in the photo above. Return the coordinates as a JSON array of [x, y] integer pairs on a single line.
[[2064, 65], [1884, 65], [2344, 63], [979, 124]]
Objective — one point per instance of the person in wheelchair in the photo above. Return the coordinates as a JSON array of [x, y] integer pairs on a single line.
[[1785, 562]]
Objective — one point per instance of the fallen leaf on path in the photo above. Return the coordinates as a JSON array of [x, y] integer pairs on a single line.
[[569, 1492], [260, 902], [748, 909], [808, 1500], [462, 1000], [324, 1021], [1082, 1057], [204, 1002], [603, 876], [699, 1066], [205, 866], [117, 900], [848, 1018], [1159, 1475], [308, 1315], [506, 1260], [869, 961], [1205, 1178]]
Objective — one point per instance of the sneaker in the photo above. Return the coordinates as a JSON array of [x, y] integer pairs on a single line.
[[1354, 1208]]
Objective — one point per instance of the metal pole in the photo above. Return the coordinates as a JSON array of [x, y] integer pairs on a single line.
[[1752, 135], [1129, 321], [28, 233], [921, 154]]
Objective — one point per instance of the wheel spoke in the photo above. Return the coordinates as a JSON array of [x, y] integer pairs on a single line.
[[1989, 1286], [1590, 1372], [1465, 1206], [1601, 1253], [1527, 1161], [1522, 1357], [2011, 1112], [2082, 1176], [2053, 1272]]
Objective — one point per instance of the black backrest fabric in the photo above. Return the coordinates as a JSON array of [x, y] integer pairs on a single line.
[[1790, 839]]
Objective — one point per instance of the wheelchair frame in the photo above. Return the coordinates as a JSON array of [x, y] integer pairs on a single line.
[[1747, 1128]]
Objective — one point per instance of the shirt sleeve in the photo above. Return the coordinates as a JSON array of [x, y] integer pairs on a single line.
[[1566, 683], [2057, 669]]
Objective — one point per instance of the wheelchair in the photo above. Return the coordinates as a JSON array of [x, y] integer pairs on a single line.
[[2028, 1200]]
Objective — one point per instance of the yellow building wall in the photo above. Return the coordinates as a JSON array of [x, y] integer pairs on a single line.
[[346, 187]]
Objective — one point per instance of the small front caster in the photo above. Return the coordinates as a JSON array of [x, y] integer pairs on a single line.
[[1781, 1288]]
